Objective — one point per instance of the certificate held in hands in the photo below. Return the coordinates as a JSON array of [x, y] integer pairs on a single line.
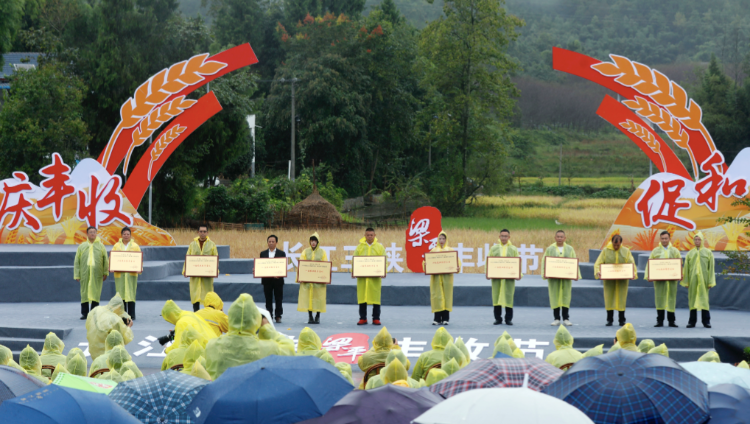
[[617, 272], [664, 270], [560, 268], [201, 266], [318, 272], [368, 266], [125, 261], [503, 268], [441, 263], [270, 268]]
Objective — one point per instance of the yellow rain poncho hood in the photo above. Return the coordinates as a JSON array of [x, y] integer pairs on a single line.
[[245, 341], [626, 337], [102, 320], [326, 356], [381, 347], [345, 370], [29, 361], [503, 347], [594, 351], [661, 350], [398, 354], [563, 338], [113, 339], [117, 357], [565, 354], [615, 347], [192, 354], [176, 355], [435, 375], [6, 358], [58, 369], [213, 313], [646, 345], [462, 347], [395, 371], [309, 342], [441, 339], [76, 365], [435, 356], [453, 352], [79, 352], [744, 365], [52, 352], [450, 367], [707, 357], [184, 319], [132, 367], [200, 372]]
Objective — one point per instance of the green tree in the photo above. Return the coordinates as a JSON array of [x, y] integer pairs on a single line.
[[42, 116], [11, 12], [466, 73]]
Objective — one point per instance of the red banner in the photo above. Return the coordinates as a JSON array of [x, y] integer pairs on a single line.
[[421, 236], [347, 347]]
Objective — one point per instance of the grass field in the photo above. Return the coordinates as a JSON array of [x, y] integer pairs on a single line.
[[624, 182]]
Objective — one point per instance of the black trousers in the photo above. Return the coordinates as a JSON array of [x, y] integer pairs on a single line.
[[498, 310], [363, 312], [565, 313], [442, 316], [705, 317], [274, 290]]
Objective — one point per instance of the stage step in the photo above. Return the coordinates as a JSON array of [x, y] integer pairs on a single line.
[[16, 339]]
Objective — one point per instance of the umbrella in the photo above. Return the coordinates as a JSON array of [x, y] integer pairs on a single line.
[[15, 382], [519, 405], [275, 389], [85, 383], [63, 405], [631, 387], [159, 398], [505, 372], [499, 355], [387, 404], [729, 404], [713, 373]]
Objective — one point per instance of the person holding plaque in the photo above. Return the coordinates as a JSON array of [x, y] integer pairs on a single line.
[[90, 268], [503, 290], [368, 289], [441, 286], [126, 283], [699, 276], [665, 292], [312, 296], [615, 291], [200, 286], [273, 287], [560, 291]]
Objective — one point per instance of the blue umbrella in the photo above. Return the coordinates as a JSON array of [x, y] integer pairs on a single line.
[[729, 404], [275, 389], [63, 405], [501, 355], [629, 387], [14, 383], [159, 398]]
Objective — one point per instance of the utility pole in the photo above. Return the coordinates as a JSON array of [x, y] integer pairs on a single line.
[[559, 175], [251, 124]]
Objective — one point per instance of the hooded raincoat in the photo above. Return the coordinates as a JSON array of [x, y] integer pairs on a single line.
[[126, 283], [565, 354], [102, 320], [183, 320], [312, 296], [503, 290], [661, 350], [192, 355], [615, 291], [213, 313], [453, 352], [698, 275], [368, 289], [450, 367], [116, 358], [6, 358], [91, 267], [30, 362], [200, 286], [114, 338], [308, 343], [462, 346], [381, 347], [246, 341], [646, 345], [176, 355], [743, 365], [435, 356], [435, 375], [345, 370], [665, 292], [560, 291], [441, 285], [594, 351], [76, 365], [52, 352], [707, 357], [626, 338]]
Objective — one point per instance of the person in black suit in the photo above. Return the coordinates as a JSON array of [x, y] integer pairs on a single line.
[[273, 287]]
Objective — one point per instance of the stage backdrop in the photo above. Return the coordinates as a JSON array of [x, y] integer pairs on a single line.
[[68, 200]]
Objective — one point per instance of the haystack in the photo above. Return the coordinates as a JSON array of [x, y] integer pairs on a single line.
[[314, 211]]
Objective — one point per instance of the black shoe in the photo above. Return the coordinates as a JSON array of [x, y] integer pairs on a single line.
[[83, 317], [609, 324], [317, 318], [690, 326], [707, 325], [671, 324], [622, 323], [659, 324], [508, 322], [497, 322], [311, 321]]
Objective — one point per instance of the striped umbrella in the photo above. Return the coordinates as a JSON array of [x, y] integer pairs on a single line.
[[501, 372]]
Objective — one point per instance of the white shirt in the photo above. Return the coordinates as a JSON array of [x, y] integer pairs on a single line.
[[271, 253]]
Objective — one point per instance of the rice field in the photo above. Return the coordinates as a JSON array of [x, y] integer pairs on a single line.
[[519, 201], [591, 181], [249, 244]]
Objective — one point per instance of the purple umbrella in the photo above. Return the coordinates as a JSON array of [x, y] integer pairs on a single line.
[[387, 404]]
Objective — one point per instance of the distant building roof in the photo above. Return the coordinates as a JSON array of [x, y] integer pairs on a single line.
[[17, 61]]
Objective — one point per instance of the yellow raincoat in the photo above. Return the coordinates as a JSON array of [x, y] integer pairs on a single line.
[[52, 352], [665, 292], [707, 357], [132, 367], [6, 358], [646, 345], [626, 338], [191, 357], [312, 296], [126, 283], [435, 356], [102, 320], [200, 372], [661, 350], [450, 367], [435, 375], [743, 365], [502, 346], [114, 338], [565, 354], [515, 352], [368, 289], [213, 313], [30, 362], [345, 370], [183, 320], [453, 352], [308, 343], [699, 275], [91, 266], [560, 291], [176, 355], [116, 358], [615, 291], [460, 344], [441, 285], [76, 365], [594, 351], [200, 286], [503, 290], [381, 347], [59, 368], [246, 341]]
